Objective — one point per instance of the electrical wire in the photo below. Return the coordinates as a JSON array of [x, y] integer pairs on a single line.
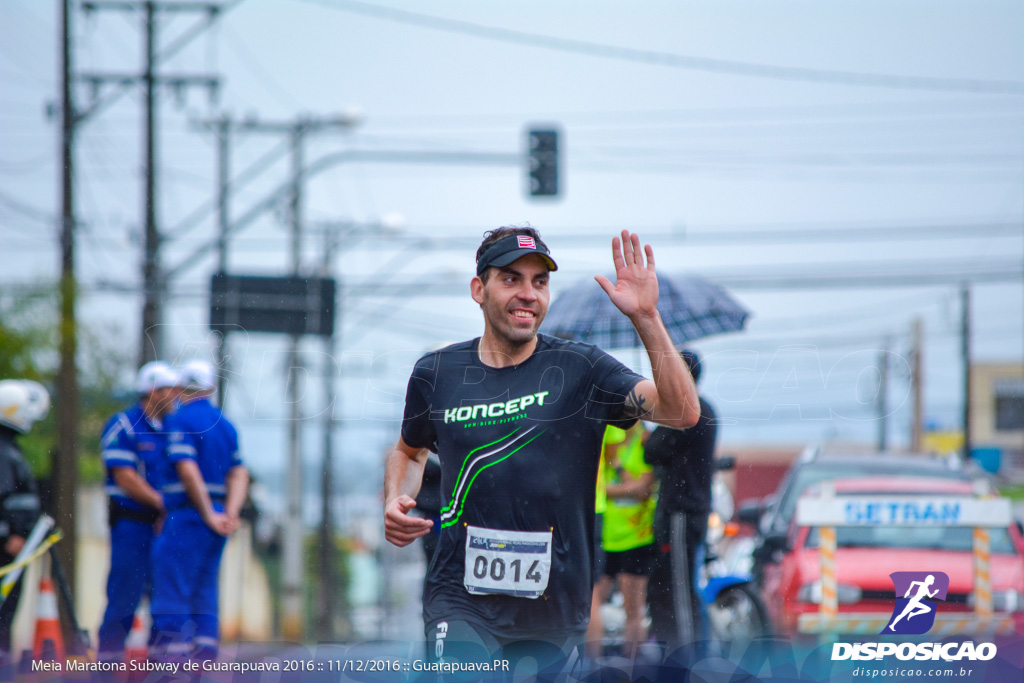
[[30, 212], [261, 74], [178, 44], [854, 314], [809, 174], [667, 59], [852, 112], [253, 171], [817, 159]]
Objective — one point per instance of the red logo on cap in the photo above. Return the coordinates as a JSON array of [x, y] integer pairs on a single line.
[[526, 242]]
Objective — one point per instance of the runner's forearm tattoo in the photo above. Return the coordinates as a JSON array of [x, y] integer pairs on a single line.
[[636, 404]]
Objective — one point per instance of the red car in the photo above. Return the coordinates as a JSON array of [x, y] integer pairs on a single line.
[[866, 555]]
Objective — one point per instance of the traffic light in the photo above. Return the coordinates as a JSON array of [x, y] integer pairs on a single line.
[[543, 163]]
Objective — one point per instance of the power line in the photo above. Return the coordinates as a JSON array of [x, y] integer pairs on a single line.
[[21, 167], [150, 78], [668, 59], [262, 75], [737, 169], [849, 315], [749, 137], [329, 161], [465, 238], [814, 159], [942, 175], [189, 222], [846, 275], [178, 44], [28, 211], [926, 110]]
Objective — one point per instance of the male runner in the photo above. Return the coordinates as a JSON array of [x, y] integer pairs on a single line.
[[517, 419]]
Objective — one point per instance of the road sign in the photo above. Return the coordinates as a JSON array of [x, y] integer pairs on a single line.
[[918, 510], [285, 305]]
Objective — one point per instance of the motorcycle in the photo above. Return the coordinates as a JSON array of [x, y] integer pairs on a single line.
[[731, 604]]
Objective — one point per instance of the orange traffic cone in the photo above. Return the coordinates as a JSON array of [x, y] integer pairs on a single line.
[[48, 623], [136, 646]]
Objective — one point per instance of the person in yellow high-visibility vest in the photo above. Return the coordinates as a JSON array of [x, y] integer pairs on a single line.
[[627, 535], [613, 439]]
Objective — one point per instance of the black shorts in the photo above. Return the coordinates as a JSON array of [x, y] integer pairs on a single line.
[[635, 561], [550, 655]]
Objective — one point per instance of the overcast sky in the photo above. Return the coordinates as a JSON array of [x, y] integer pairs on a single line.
[[897, 126]]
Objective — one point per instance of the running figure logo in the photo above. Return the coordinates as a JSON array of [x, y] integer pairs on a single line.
[[918, 589]]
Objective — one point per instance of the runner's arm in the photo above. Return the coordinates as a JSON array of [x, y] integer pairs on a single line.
[[136, 487], [403, 475], [671, 398]]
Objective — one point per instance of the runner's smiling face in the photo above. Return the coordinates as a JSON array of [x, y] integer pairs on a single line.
[[514, 299]]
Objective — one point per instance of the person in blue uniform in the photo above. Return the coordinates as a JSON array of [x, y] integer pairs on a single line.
[[517, 419], [204, 490], [132, 446]]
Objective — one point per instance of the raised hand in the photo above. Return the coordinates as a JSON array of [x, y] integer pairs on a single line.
[[635, 291]]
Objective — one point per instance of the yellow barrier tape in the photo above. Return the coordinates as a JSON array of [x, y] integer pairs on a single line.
[[36, 554]]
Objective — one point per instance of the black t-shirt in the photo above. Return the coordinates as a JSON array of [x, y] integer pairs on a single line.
[[428, 500], [519, 449], [682, 460]]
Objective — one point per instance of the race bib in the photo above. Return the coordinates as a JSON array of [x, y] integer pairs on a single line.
[[507, 562]]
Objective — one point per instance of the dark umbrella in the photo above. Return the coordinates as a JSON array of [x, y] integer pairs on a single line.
[[691, 307]]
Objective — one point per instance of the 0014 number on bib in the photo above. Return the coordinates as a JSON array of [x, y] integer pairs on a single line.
[[514, 563]]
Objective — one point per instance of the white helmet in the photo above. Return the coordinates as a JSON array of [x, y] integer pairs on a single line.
[[22, 402], [197, 375], [155, 374]]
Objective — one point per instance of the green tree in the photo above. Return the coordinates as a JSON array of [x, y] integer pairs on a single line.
[[29, 350]]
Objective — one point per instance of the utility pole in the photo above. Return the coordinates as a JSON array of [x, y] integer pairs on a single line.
[[154, 284], [65, 462], [150, 348], [883, 396], [293, 565], [327, 605], [221, 127], [223, 220], [917, 382], [965, 356], [294, 541]]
